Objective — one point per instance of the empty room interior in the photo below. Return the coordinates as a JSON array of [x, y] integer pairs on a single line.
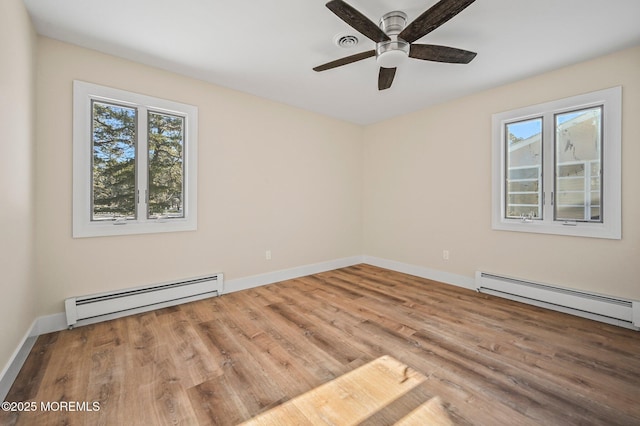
[[414, 212]]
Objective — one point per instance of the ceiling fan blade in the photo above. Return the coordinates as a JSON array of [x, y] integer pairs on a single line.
[[437, 15], [432, 52], [385, 78], [357, 20], [346, 60]]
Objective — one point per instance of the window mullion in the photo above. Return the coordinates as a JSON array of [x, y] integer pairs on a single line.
[[548, 167], [142, 174]]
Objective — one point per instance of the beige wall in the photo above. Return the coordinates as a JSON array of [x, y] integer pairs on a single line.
[[17, 144], [428, 187], [270, 177]]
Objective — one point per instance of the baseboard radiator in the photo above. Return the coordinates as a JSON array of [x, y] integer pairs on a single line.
[[104, 306], [611, 310]]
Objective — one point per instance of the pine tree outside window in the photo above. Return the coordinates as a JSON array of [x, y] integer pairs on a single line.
[[114, 162], [134, 163]]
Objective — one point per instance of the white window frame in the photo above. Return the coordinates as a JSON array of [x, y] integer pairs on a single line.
[[611, 225], [83, 95]]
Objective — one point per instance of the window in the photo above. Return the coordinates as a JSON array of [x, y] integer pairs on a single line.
[[556, 167], [134, 163]]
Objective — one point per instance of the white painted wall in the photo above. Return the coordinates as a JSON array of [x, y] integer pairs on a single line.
[[428, 187], [17, 200]]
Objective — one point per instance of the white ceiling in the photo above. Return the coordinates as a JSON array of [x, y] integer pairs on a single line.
[[268, 48]]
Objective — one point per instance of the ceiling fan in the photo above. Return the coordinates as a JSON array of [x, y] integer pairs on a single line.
[[395, 39]]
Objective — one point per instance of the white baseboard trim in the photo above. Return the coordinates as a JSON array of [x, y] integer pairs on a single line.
[[50, 323], [422, 272], [41, 325], [19, 356], [238, 284]]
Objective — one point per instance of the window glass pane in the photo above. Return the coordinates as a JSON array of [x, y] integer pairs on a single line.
[[113, 168], [524, 169], [166, 166], [578, 155]]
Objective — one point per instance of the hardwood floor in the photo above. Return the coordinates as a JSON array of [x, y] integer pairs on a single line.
[[224, 360]]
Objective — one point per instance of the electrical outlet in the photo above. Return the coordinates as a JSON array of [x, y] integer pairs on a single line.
[[445, 254], [267, 255]]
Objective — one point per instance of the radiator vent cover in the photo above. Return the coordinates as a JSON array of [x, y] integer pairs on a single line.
[[104, 306], [608, 309]]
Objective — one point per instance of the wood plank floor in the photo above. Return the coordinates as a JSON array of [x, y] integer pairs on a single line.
[[224, 360]]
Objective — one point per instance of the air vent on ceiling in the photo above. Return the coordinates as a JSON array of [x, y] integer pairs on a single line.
[[346, 41]]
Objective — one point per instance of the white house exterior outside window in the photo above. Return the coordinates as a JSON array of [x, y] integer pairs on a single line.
[[557, 167]]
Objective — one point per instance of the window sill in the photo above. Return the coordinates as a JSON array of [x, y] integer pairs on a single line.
[[133, 227], [574, 229]]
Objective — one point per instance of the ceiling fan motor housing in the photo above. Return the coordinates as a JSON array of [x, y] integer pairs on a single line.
[[392, 53]]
